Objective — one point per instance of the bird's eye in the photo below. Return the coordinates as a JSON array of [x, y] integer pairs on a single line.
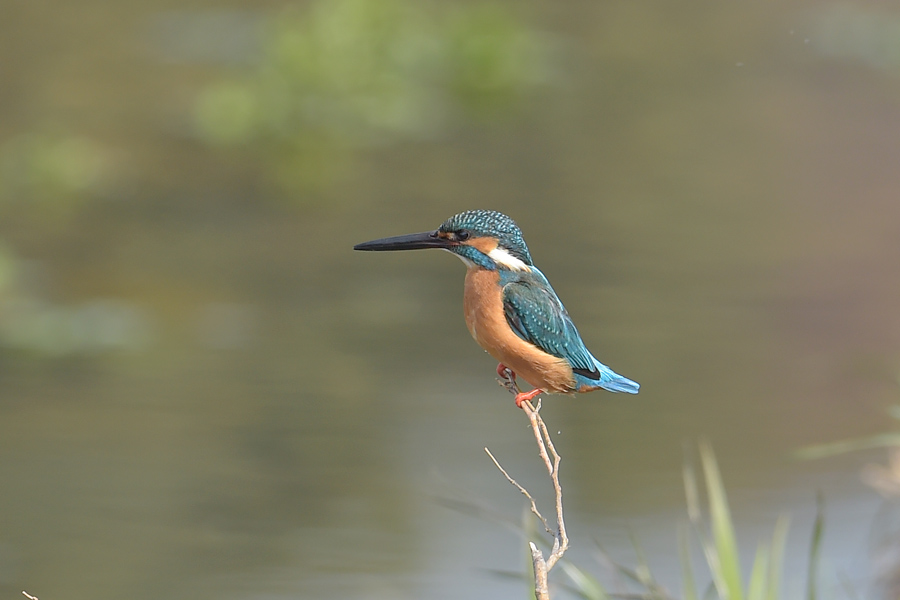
[[462, 235]]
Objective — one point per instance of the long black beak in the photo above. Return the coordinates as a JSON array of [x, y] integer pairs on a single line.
[[413, 241]]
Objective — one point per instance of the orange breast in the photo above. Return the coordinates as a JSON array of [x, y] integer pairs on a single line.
[[483, 304]]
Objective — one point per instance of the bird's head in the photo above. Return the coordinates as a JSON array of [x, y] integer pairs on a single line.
[[484, 238]]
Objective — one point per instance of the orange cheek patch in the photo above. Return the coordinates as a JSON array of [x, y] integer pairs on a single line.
[[483, 244]]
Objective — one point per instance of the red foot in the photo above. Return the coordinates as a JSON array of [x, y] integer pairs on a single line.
[[502, 369], [527, 396]]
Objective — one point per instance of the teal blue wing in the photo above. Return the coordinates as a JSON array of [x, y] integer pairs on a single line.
[[537, 316]]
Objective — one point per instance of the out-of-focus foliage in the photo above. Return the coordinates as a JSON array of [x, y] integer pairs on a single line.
[[883, 478], [720, 546], [32, 324], [45, 180], [346, 74], [888, 439], [714, 527], [47, 330], [51, 174], [857, 32]]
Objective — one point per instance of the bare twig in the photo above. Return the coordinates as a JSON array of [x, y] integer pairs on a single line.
[[29, 596], [542, 436], [534, 507], [541, 589], [551, 459]]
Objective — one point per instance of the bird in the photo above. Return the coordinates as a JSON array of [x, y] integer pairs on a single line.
[[510, 308]]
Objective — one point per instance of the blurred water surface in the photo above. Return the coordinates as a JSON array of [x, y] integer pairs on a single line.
[[205, 393]]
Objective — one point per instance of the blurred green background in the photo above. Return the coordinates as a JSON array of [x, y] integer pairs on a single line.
[[205, 393]]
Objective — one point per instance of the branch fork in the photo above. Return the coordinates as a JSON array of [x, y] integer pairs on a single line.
[[551, 458]]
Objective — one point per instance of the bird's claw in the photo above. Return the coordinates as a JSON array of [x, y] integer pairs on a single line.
[[508, 379]]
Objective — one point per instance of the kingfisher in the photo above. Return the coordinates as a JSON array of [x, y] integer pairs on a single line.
[[510, 308]]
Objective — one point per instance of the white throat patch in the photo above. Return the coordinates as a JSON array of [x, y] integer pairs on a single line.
[[503, 257], [469, 264]]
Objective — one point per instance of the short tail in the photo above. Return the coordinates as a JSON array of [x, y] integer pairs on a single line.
[[620, 384], [587, 381], [613, 382]]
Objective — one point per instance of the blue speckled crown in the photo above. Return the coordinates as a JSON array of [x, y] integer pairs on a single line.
[[490, 223]]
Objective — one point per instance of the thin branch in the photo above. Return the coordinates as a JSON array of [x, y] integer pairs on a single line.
[[541, 589], [551, 459], [542, 437], [534, 507]]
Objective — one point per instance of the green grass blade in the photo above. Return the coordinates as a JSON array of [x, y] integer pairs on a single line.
[[642, 571], [815, 547], [585, 585], [894, 411], [881, 440], [692, 497], [758, 584], [776, 557], [695, 514], [722, 527], [688, 585]]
